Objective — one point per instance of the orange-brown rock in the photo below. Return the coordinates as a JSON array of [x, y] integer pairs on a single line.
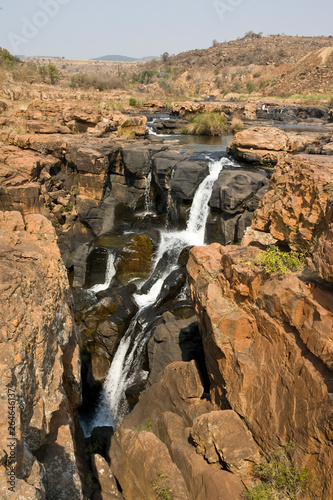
[[202, 480], [222, 436], [268, 342], [143, 466], [268, 145], [297, 211], [40, 363]]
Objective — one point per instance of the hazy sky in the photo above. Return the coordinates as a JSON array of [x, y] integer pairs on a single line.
[[83, 29]]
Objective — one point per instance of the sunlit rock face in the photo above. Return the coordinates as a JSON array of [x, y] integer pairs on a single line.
[[268, 345], [39, 361]]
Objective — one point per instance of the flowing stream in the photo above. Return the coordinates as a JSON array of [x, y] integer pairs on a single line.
[[126, 365]]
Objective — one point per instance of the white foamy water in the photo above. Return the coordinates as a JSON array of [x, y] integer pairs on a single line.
[[109, 274], [113, 405]]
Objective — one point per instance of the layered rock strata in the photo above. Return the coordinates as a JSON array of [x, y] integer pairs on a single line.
[[268, 342], [40, 364]]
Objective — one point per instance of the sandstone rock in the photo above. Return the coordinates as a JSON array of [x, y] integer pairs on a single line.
[[40, 358], [143, 467], [222, 436], [257, 238], [203, 481], [296, 209], [269, 352], [179, 389], [105, 477], [40, 127], [272, 139]]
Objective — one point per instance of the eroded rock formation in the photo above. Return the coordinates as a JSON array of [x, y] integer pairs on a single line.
[[40, 362]]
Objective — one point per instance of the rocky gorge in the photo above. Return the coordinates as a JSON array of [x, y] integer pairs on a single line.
[[225, 378]]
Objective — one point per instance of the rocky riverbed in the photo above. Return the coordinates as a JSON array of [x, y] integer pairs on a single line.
[[249, 356]]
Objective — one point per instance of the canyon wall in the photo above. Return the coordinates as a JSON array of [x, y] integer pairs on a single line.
[[268, 338], [40, 364]]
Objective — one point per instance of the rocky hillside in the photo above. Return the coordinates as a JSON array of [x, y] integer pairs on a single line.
[[253, 49], [312, 73]]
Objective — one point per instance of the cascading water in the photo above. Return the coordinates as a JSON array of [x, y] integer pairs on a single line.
[[148, 200], [109, 274], [126, 363]]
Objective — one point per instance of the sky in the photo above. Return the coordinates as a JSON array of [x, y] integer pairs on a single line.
[[85, 29]]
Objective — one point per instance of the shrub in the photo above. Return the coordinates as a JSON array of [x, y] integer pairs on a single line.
[[280, 479], [132, 102], [276, 261], [257, 74], [161, 486], [236, 125], [250, 86], [207, 124]]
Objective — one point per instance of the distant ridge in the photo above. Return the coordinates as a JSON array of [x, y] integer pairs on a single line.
[[114, 58]]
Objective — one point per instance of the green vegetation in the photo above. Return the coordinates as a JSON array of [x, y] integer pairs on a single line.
[[276, 261], [135, 103], [53, 73], [250, 86], [67, 208], [206, 124], [145, 427], [7, 59], [165, 56], [280, 479], [161, 487]]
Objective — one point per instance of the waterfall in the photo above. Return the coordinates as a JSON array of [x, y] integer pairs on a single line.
[[109, 274], [148, 200], [125, 365]]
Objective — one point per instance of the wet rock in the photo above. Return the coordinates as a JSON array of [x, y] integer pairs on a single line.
[[135, 260], [172, 286], [134, 390], [236, 195], [187, 177]]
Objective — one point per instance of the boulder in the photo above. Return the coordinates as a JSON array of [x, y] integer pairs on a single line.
[[202, 480], [142, 466], [172, 340], [186, 178], [105, 478], [179, 389], [221, 436]]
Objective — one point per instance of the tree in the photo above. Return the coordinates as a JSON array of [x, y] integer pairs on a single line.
[[214, 43], [165, 56], [53, 72]]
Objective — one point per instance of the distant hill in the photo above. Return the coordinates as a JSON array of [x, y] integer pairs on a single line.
[[114, 58]]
